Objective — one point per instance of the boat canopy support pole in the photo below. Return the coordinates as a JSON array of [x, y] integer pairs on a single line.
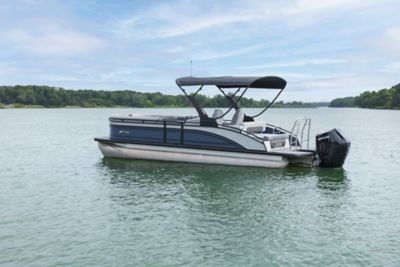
[[269, 105], [204, 119], [235, 103], [195, 104], [231, 98]]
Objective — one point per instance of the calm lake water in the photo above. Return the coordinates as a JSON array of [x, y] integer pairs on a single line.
[[61, 203]]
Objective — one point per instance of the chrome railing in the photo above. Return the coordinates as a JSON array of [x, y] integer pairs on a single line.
[[300, 134]]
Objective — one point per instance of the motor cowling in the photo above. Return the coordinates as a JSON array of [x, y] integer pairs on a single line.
[[332, 149]]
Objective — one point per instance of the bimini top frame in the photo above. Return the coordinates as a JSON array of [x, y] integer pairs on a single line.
[[267, 82], [229, 82]]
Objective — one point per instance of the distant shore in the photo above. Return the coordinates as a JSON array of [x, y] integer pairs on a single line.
[[23, 106], [381, 99], [41, 96], [20, 106]]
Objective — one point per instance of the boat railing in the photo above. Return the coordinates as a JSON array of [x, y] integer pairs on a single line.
[[181, 124], [300, 134], [277, 129], [151, 121], [241, 131]]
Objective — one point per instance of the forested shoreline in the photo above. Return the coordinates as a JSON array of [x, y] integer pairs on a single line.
[[381, 99], [52, 97], [21, 96]]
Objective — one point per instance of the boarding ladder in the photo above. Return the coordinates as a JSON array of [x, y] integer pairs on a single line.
[[300, 134]]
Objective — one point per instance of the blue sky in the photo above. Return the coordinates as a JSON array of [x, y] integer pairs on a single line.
[[324, 49]]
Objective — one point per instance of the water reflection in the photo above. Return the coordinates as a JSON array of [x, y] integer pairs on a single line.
[[214, 177], [211, 207], [332, 179], [120, 168], [131, 169]]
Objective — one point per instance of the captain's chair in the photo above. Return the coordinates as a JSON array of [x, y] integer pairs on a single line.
[[237, 119], [217, 113]]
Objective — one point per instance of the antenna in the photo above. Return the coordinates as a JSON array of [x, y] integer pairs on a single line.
[[191, 64]]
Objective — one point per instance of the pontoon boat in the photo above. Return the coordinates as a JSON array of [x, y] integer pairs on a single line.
[[205, 139]]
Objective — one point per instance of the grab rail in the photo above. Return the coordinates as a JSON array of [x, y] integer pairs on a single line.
[[277, 129], [299, 126], [241, 131]]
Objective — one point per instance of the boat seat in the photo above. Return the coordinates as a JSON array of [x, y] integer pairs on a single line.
[[217, 113], [237, 119], [254, 126], [272, 137]]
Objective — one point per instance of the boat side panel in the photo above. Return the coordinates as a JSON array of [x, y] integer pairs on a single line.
[[173, 136], [240, 138], [162, 153]]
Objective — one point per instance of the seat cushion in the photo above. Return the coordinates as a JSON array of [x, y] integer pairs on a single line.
[[270, 137]]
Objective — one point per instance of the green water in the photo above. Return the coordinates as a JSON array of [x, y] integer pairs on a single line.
[[62, 204]]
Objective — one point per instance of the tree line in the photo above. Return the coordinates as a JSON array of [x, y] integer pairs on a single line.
[[45, 96], [381, 99]]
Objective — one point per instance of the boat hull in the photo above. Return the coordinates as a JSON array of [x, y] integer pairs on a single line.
[[191, 155]]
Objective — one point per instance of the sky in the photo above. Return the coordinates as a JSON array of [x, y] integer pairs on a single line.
[[323, 49]]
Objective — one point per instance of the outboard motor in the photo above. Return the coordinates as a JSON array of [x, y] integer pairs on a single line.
[[332, 148]]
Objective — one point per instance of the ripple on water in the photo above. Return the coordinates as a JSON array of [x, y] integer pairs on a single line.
[[62, 204]]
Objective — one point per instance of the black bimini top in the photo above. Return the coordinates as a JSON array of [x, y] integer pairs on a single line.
[[267, 82]]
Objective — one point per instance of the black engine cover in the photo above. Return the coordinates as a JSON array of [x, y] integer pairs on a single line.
[[332, 148]]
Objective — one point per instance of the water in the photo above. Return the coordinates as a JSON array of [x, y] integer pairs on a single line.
[[61, 203]]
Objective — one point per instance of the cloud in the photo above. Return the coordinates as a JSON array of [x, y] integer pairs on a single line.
[[175, 49], [390, 41], [313, 44], [394, 34], [179, 18], [297, 63], [153, 27], [6, 71], [393, 68], [357, 81], [307, 6], [210, 55], [62, 42]]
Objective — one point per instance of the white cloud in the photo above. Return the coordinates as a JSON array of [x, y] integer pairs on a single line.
[[175, 49], [62, 42], [312, 43], [210, 55], [57, 78], [391, 40], [361, 82], [391, 68], [196, 25], [297, 63], [5, 71], [387, 44], [307, 6], [179, 18], [394, 34], [153, 27]]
